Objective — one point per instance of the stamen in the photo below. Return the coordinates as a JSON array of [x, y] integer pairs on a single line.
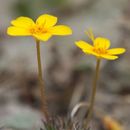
[[38, 30], [100, 50]]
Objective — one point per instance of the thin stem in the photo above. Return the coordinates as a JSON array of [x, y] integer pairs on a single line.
[[92, 99], [44, 107]]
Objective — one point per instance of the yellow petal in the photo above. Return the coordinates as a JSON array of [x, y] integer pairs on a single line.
[[24, 22], [116, 51], [84, 45], [43, 37], [15, 31], [102, 43], [86, 48], [61, 30], [109, 57], [90, 52], [46, 20]]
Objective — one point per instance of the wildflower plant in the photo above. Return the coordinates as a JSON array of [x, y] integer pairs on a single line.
[[41, 30], [100, 49]]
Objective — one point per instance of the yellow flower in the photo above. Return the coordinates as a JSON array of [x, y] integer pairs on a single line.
[[100, 48], [44, 27], [111, 124]]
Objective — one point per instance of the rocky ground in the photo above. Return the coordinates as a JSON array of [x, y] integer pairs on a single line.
[[67, 71]]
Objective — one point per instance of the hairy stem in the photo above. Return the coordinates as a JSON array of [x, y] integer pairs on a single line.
[[92, 98], [44, 107]]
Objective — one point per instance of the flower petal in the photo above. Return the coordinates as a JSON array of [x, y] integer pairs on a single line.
[[84, 45], [116, 51], [109, 57], [46, 20], [90, 52], [61, 30], [16, 31], [24, 22], [43, 37], [86, 48], [102, 43]]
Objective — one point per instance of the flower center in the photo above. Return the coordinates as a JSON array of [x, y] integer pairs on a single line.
[[100, 50], [38, 30]]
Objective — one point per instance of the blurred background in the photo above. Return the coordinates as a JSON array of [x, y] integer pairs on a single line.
[[68, 72]]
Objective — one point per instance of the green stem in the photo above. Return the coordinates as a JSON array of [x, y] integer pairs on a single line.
[[92, 99], [44, 107]]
